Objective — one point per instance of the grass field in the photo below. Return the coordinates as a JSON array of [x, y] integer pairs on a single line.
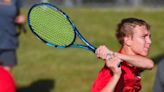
[[46, 69]]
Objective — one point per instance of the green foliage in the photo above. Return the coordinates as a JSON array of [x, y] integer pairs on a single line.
[[46, 69]]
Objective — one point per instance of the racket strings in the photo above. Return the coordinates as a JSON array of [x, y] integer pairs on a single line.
[[50, 14], [51, 25]]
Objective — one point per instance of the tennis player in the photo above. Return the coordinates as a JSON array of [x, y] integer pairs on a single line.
[[121, 72]]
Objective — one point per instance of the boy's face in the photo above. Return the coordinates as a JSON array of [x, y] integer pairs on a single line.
[[140, 42]]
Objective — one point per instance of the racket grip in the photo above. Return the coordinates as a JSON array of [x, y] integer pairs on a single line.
[[119, 65], [94, 50]]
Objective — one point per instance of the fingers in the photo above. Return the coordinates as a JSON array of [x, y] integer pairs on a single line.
[[20, 19], [110, 58], [103, 52], [114, 64], [113, 59]]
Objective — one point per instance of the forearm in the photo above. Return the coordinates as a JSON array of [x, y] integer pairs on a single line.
[[138, 61], [110, 87]]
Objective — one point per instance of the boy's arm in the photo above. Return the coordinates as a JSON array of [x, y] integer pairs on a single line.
[[138, 61], [112, 61], [135, 60], [111, 84]]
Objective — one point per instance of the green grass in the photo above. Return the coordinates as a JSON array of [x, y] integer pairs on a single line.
[[46, 69]]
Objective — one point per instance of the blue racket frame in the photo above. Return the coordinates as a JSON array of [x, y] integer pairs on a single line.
[[88, 46]]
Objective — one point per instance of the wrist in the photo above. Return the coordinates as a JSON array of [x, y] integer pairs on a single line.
[[121, 56], [117, 76]]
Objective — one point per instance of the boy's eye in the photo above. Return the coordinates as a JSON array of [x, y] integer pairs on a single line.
[[143, 36]]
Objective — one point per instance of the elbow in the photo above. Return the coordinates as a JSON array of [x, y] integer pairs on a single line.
[[150, 66]]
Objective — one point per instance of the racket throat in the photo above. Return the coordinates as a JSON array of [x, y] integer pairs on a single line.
[[83, 47]]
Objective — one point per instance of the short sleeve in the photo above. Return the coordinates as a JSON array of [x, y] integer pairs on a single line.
[[18, 5], [102, 79]]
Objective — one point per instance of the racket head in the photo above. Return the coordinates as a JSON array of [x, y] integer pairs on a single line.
[[51, 25]]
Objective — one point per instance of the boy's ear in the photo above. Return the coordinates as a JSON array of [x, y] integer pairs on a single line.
[[128, 40]]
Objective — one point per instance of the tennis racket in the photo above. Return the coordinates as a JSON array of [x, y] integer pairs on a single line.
[[54, 27]]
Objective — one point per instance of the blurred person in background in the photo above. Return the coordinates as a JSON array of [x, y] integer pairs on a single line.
[[121, 72], [10, 19], [7, 83], [159, 78]]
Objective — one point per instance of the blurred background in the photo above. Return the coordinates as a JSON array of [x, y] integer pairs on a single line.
[[103, 3], [46, 69]]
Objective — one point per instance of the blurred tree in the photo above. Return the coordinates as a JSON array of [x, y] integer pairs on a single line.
[[79, 2], [135, 3], [120, 2], [44, 0], [68, 3]]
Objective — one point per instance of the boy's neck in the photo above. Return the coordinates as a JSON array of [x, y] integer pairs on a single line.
[[127, 50]]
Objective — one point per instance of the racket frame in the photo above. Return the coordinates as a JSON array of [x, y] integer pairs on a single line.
[[88, 46]]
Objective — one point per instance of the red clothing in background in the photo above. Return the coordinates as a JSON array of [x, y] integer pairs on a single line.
[[7, 83]]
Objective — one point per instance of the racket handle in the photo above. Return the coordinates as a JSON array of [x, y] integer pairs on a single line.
[[119, 65]]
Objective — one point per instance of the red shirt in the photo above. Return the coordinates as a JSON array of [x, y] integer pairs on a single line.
[[130, 80], [7, 83]]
